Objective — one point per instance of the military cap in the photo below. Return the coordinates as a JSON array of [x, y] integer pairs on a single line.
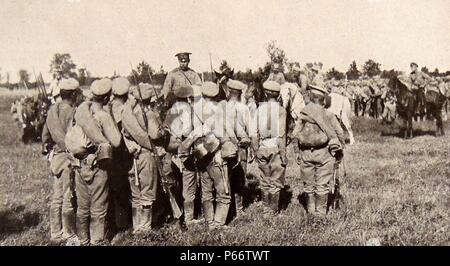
[[296, 68], [271, 86], [146, 91], [69, 84], [210, 89], [236, 85], [183, 56], [318, 88], [120, 86], [413, 64], [101, 87], [183, 92]]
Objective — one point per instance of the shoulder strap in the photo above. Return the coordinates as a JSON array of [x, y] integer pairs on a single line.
[[182, 72]]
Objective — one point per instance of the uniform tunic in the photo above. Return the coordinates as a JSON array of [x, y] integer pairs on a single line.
[[59, 119], [178, 78]]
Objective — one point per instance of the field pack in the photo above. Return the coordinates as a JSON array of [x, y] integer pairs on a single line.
[[311, 135]]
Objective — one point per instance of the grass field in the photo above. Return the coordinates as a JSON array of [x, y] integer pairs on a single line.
[[397, 192]]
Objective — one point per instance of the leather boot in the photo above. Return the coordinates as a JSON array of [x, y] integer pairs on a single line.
[[55, 225], [274, 204], [136, 220], [68, 224], [265, 196], [98, 225], [208, 211], [188, 212], [239, 203], [146, 218], [321, 204], [83, 231], [311, 203], [220, 216]]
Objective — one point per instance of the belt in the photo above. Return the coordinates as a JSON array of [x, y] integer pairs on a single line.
[[312, 148]]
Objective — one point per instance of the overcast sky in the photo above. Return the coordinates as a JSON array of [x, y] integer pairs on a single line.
[[106, 35]]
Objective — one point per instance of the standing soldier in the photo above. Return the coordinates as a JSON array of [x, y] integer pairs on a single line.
[[316, 133], [270, 146], [144, 175], [179, 77], [180, 121], [91, 175], [419, 82], [54, 87], [236, 119], [122, 160], [59, 119]]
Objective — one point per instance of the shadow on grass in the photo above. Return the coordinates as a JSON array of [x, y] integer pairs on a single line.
[[416, 133], [17, 220]]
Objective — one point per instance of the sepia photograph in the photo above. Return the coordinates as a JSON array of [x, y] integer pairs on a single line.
[[241, 123]]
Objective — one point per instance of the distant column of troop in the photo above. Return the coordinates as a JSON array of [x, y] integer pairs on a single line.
[[115, 159]]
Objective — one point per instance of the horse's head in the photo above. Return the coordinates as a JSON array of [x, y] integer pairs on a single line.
[[222, 78]]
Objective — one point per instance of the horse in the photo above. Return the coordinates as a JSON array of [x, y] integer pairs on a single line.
[[407, 105]]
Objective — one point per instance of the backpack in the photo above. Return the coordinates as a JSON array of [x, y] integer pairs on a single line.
[[311, 135], [76, 140]]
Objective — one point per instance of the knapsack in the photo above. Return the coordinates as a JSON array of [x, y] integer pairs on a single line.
[[76, 140], [311, 135]]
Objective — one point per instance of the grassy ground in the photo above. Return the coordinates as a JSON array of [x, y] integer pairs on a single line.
[[397, 192]]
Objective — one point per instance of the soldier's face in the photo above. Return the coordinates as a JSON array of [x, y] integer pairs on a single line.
[[413, 68], [184, 64]]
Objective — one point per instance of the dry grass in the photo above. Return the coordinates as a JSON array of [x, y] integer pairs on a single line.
[[396, 192]]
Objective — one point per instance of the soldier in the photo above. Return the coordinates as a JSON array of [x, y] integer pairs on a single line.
[[144, 175], [122, 159], [54, 88], [318, 142], [212, 166], [236, 119], [270, 147], [419, 82], [276, 73], [179, 77], [180, 121], [59, 119], [92, 166]]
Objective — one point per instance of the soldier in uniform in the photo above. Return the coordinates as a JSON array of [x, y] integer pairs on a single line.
[[59, 119], [122, 159], [91, 175], [179, 77], [54, 88], [236, 119], [276, 73], [419, 82], [319, 138], [270, 147], [180, 120], [144, 175]]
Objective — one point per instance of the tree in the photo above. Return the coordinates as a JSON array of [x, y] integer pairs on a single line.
[[64, 63], [276, 54], [371, 68], [142, 73], [353, 72], [435, 73], [334, 74], [24, 76]]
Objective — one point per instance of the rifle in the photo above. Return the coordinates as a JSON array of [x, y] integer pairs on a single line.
[[165, 183], [336, 189], [212, 71]]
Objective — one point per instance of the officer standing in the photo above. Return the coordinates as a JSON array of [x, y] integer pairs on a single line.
[[59, 119], [318, 143], [270, 146], [144, 175], [179, 77], [91, 176]]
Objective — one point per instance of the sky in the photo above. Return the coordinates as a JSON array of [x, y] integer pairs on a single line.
[[106, 35]]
